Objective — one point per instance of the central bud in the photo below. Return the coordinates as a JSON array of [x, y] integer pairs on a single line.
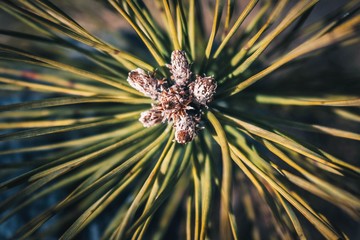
[[179, 100]]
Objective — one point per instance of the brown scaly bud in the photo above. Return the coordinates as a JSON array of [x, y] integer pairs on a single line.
[[180, 103], [185, 129], [151, 117], [203, 89], [144, 83], [179, 68], [175, 102]]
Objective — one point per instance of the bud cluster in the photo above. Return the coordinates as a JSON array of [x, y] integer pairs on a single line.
[[179, 100]]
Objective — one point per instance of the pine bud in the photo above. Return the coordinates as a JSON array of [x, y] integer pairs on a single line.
[[185, 129], [144, 83], [179, 68], [151, 117], [203, 89], [181, 103]]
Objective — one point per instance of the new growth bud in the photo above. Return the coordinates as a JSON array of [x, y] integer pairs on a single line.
[[179, 68], [151, 117], [144, 83], [185, 129], [203, 90], [180, 102]]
